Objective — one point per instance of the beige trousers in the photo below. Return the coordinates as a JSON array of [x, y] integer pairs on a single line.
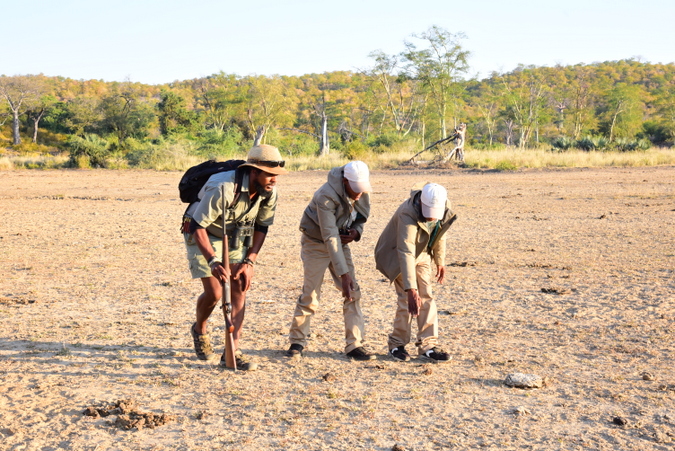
[[315, 261], [427, 320]]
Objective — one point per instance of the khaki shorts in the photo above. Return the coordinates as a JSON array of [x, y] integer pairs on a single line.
[[198, 266]]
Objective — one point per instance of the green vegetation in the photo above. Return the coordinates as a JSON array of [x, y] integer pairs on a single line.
[[529, 117]]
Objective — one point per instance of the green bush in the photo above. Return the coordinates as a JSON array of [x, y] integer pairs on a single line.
[[589, 143], [563, 143], [294, 144], [384, 140], [506, 165], [355, 150], [214, 144], [89, 151], [627, 145]]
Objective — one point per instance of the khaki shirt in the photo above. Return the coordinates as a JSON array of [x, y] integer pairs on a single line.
[[330, 210], [406, 237], [208, 211]]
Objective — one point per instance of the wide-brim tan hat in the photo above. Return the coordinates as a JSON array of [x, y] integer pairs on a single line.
[[266, 158]]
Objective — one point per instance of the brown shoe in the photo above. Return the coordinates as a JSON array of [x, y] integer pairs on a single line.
[[202, 344], [360, 354], [242, 365]]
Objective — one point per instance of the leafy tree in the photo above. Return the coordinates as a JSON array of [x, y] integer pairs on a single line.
[[37, 110], [402, 95], [81, 115], [222, 98], [488, 103], [525, 92], [126, 113], [18, 91], [439, 67], [622, 111], [174, 117], [268, 104]]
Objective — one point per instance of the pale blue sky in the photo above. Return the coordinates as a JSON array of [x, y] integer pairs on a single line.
[[159, 41]]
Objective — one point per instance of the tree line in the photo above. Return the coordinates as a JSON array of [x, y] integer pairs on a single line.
[[401, 102]]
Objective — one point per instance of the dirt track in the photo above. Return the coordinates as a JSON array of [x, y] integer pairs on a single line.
[[565, 274]]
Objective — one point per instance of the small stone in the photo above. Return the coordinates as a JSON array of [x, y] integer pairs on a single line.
[[620, 421], [328, 377], [90, 412], [397, 447], [520, 380], [428, 371], [520, 411], [648, 376]]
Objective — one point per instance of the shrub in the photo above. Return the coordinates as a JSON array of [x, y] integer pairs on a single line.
[[563, 143], [626, 145], [506, 165], [89, 151], [164, 156], [216, 144], [589, 143], [355, 150]]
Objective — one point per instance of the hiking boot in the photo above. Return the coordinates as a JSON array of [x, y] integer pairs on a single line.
[[400, 354], [202, 344], [360, 354], [242, 365], [295, 351], [436, 355]]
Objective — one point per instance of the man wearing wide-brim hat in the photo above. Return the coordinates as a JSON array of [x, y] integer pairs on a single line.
[[248, 198]]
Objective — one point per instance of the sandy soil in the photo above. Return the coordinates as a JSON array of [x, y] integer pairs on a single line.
[[564, 274]]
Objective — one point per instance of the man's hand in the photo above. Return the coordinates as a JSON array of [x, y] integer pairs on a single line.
[[414, 302], [440, 273], [347, 286], [245, 272], [219, 272], [352, 235]]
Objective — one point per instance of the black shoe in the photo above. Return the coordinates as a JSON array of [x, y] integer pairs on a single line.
[[436, 355], [360, 354], [202, 343], [400, 354], [295, 351]]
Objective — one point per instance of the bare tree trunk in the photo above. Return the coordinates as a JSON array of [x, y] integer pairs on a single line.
[[510, 125], [36, 122], [259, 133], [619, 110], [324, 145], [15, 127]]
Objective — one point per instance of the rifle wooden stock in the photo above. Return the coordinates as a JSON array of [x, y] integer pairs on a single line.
[[230, 360]]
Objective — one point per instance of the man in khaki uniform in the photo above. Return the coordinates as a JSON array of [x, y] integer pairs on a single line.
[[414, 237], [250, 203], [333, 219]]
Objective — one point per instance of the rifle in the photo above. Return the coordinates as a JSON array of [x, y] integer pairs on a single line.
[[230, 360]]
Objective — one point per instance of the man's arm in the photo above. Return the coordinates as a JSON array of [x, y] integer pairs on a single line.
[[245, 270], [202, 240]]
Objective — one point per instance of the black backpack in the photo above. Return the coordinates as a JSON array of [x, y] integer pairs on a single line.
[[195, 177]]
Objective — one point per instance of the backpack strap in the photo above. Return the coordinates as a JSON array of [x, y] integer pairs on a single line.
[[238, 179]]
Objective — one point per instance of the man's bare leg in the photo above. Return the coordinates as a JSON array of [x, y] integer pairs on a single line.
[[207, 301]]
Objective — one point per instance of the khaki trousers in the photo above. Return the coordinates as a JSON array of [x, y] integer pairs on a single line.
[[315, 261], [427, 320]]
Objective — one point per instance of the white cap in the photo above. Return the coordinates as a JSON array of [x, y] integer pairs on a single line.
[[359, 176], [434, 197]]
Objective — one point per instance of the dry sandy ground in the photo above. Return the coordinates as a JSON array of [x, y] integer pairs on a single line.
[[96, 303]]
